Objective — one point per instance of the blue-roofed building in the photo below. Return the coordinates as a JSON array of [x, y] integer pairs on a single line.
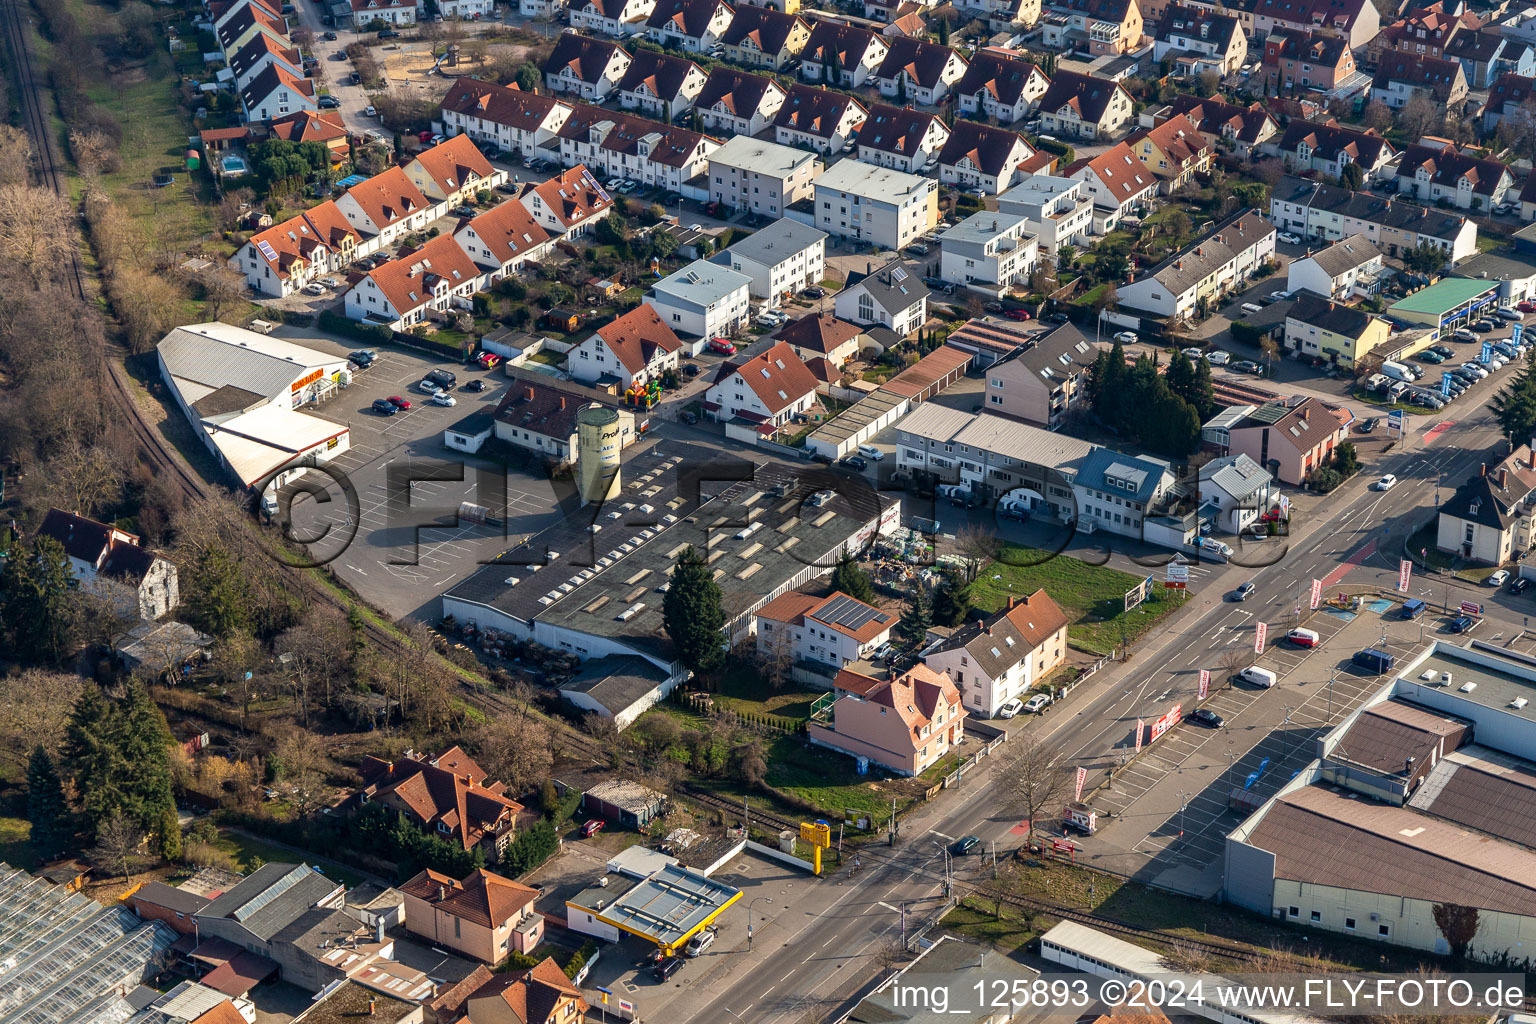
[[1115, 491]]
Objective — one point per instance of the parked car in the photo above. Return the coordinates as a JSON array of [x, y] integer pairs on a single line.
[[857, 462], [388, 33], [722, 346], [384, 407], [1216, 357], [1526, 307], [591, 828], [363, 356], [1243, 591], [1205, 716], [369, 110], [1428, 356], [689, 417], [329, 37], [1483, 327], [475, 385], [1126, 337], [1462, 334], [1247, 366], [1368, 425], [666, 968], [314, 289], [1037, 703], [328, 102], [964, 845], [1304, 637], [871, 453], [1443, 350], [1016, 314], [399, 403], [1511, 315], [443, 378], [691, 369], [1519, 584], [1462, 624], [814, 292], [700, 943], [1498, 577], [1055, 318], [1288, 238], [444, 398], [426, 387], [1009, 708]]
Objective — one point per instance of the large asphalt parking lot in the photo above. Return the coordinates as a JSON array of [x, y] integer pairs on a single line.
[[387, 520]]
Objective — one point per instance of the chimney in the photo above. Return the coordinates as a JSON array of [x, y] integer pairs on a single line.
[[1482, 469], [562, 401], [373, 1005], [378, 930], [1503, 476], [442, 893], [528, 392], [1010, 602], [1306, 412], [1408, 766]]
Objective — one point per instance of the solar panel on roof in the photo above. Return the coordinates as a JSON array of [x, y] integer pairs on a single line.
[[900, 273], [266, 249]]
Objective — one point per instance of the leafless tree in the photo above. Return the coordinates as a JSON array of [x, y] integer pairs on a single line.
[[118, 841], [1417, 115], [1235, 658], [976, 545], [222, 289], [15, 156], [1035, 779], [34, 708], [303, 769], [776, 657], [36, 230], [95, 151], [1377, 116], [109, 611], [514, 750]]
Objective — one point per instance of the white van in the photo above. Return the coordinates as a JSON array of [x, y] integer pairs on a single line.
[[1258, 676], [871, 453], [262, 326], [1397, 371], [1252, 307]]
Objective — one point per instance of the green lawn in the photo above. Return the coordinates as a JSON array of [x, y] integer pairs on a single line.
[[247, 849], [1092, 596], [14, 848], [743, 687], [825, 778]]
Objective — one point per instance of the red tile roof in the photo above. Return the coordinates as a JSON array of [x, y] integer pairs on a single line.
[[587, 57], [310, 126], [450, 788], [816, 112], [994, 151], [508, 230], [532, 996], [778, 377], [515, 108], [485, 898], [408, 282], [573, 196], [387, 197], [300, 239], [819, 332], [637, 337], [897, 130], [767, 29], [1119, 170], [454, 163]]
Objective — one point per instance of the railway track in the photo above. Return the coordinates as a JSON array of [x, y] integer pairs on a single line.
[[708, 799]]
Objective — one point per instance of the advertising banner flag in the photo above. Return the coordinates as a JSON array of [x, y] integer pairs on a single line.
[[1205, 683], [1317, 593], [1260, 631], [1139, 726], [1404, 574], [1082, 777]]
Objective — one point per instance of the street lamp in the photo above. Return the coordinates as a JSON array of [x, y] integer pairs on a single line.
[[755, 902]]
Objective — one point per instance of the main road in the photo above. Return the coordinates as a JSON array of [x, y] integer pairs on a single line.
[[823, 953]]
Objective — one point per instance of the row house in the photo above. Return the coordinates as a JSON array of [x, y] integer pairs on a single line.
[[1039, 379], [275, 92], [1175, 152], [854, 53], [1096, 27], [1240, 129], [1118, 183], [1349, 268], [568, 205], [1327, 147], [402, 293], [1400, 76], [1437, 171], [585, 67], [1204, 272], [624, 146], [1024, 14], [1357, 21], [979, 156], [245, 21], [1203, 40], [617, 18], [1078, 106], [916, 71], [262, 49], [761, 37], [519, 124], [818, 119], [1304, 60], [384, 209], [1319, 212], [1000, 86], [735, 102], [1484, 56], [1511, 96], [659, 84], [283, 259], [503, 239], [693, 25], [452, 171], [998, 659], [1427, 31], [366, 14], [901, 138]]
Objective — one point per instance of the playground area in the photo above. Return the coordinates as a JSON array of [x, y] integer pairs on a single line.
[[412, 67]]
